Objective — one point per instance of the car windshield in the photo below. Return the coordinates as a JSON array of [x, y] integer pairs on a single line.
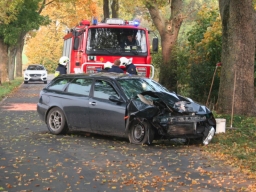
[[133, 87], [115, 41], [35, 67]]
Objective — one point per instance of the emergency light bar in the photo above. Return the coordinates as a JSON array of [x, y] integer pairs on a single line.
[[115, 21]]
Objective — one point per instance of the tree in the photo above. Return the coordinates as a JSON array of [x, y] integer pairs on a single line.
[[203, 52], [168, 30], [8, 13], [114, 9], [3, 63], [8, 10], [236, 92], [13, 33], [45, 45]]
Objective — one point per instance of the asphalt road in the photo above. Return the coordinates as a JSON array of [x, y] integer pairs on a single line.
[[31, 159]]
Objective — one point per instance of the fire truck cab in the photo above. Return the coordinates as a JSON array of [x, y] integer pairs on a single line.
[[91, 44]]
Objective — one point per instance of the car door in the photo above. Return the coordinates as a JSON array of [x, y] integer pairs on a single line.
[[76, 106], [106, 117]]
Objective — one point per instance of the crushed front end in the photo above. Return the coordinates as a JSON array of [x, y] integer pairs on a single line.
[[174, 116]]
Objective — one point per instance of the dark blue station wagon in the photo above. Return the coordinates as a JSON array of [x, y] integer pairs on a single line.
[[133, 107]]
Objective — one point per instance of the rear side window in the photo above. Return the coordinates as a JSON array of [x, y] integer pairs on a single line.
[[59, 84], [80, 86], [103, 90]]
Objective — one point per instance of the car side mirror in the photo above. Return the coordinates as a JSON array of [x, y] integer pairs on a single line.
[[155, 45], [115, 99]]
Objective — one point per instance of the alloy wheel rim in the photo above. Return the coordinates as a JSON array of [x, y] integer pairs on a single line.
[[139, 132], [55, 120]]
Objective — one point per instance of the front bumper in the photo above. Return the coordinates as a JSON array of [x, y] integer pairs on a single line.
[[182, 126], [35, 77]]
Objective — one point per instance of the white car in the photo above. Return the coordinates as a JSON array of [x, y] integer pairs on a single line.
[[35, 72]]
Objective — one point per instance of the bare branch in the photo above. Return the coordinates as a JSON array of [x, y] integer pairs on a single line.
[[158, 20]]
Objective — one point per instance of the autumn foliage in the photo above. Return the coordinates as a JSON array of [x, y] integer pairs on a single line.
[[45, 45]]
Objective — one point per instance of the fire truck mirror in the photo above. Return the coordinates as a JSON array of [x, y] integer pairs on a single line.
[[76, 43], [155, 45]]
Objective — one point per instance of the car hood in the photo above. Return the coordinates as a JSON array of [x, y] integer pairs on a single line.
[[168, 101], [36, 71]]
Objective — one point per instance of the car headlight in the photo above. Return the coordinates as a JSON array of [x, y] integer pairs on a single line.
[[26, 74]]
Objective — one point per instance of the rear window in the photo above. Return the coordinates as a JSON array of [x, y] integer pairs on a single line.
[[59, 84]]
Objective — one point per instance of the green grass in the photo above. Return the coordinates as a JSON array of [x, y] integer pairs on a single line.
[[7, 87], [238, 144]]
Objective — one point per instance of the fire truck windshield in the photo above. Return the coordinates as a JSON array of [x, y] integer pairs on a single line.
[[116, 41]]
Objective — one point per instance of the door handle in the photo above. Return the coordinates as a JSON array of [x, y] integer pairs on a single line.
[[92, 103]]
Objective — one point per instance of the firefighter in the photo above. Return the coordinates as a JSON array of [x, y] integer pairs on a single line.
[[107, 66], [129, 66], [115, 67], [62, 66]]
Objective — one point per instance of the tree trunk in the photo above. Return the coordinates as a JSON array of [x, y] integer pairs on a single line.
[[238, 51], [20, 45], [115, 8], [105, 9], [11, 63], [168, 30], [3, 62]]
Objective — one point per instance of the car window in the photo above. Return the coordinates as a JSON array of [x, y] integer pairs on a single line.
[[35, 67], [103, 90], [132, 87], [80, 86], [58, 84]]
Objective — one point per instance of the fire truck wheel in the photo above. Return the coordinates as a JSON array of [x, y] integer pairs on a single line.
[[56, 121], [141, 133]]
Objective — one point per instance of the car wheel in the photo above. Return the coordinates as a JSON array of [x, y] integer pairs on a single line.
[[25, 82], [141, 133], [45, 82], [56, 121]]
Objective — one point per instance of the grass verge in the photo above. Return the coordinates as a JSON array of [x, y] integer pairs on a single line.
[[237, 146], [7, 87]]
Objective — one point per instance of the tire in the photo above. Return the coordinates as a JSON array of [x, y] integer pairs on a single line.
[[56, 121], [25, 82], [141, 133], [45, 82]]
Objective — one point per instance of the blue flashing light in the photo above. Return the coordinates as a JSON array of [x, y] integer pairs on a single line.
[[136, 23], [94, 21]]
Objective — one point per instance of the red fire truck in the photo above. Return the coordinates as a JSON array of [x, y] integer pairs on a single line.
[[91, 44]]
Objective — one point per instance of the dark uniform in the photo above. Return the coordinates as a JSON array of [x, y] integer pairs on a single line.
[[62, 69], [131, 69], [115, 69]]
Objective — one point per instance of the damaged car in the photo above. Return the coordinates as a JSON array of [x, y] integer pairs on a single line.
[[122, 105]]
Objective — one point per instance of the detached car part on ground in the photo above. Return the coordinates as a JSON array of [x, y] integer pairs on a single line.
[[121, 105]]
